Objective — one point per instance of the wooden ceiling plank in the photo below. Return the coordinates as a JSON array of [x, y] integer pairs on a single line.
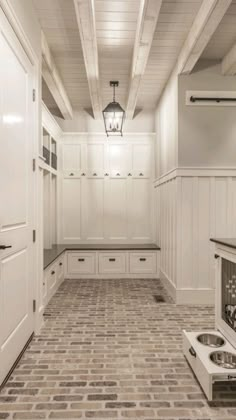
[[148, 16], [206, 22], [85, 13], [53, 80]]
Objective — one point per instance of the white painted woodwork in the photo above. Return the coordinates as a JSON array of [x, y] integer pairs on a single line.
[[52, 279], [193, 205], [146, 25], [85, 13], [81, 263], [71, 209], [109, 197], [206, 22], [53, 80], [229, 62], [142, 262], [111, 263], [16, 191]]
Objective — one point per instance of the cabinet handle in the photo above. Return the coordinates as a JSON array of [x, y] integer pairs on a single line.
[[5, 246], [60, 264], [112, 259], [192, 352], [142, 259], [140, 174], [52, 272], [71, 174], [80, 259]]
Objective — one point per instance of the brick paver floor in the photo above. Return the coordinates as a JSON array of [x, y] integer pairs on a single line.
[[109, 350]]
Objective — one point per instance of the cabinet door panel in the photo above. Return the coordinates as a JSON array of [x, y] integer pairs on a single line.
[[94, 208], [115, 215], [140, 209], [71, 209]]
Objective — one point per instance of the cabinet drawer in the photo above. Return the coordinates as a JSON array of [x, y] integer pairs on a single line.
[[145, 263], [112, 263], [81, 263]]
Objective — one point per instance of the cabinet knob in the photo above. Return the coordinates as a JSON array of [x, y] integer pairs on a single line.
[[192, 352], [52, 272], [60, 264]]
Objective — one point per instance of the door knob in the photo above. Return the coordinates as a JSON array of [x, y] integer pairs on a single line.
[[5, 246]]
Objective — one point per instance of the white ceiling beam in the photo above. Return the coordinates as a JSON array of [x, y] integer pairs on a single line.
[[85, 13], [54, 82], [206, 22], [229, 62], [147, 20]]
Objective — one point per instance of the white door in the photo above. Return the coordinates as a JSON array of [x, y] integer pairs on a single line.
[[16, 196]]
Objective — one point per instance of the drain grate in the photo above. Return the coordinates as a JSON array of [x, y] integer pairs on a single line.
[[159, 299]]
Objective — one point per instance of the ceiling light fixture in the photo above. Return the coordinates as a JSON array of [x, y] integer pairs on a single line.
[[114, 115]]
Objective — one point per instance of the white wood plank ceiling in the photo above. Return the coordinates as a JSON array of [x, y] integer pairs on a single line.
[[115, 33]]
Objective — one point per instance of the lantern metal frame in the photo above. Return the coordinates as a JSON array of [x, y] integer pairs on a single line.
[[114, 107]]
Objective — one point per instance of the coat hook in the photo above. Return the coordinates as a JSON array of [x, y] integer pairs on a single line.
[[71, 174], [83, 174], [117, 174], [106, 174], [94, 174], [129, 174], [140, 174]]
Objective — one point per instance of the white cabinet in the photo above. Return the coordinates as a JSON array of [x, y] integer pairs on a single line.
[[112, 263], [143, 263], [81, 263], [53, 277]]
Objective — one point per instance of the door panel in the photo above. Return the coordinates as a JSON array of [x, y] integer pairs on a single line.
[[16, 192]]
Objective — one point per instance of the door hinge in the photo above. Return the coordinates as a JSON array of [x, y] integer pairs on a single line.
[[34, 235], [34, 305], [34, 165], [34, 95]]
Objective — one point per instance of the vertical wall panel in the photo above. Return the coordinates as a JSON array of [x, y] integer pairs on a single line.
[[115, 214], [95, 156], [71, 210], [140, 216], [71, 157], [94, 204]]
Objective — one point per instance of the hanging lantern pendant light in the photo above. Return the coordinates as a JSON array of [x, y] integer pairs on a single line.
[[114, 115]]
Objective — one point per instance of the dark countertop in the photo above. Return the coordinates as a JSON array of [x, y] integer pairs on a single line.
[[230, 242], [51, 255]]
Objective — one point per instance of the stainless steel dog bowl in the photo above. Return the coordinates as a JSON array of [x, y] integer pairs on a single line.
[[224, 359], [211, 340]]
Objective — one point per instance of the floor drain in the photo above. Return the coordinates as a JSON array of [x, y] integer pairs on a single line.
[[159, 299]]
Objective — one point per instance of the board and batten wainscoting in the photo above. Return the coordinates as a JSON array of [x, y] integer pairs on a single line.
[[105, 189], [193, 205]]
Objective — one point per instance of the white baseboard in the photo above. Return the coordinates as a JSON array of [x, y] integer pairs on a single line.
[[188, 296]]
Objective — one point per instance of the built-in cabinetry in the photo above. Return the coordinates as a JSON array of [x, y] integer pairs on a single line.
[[112, 264], [106, 189], [53, 277]]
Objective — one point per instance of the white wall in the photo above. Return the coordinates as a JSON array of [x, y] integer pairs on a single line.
[[206, 133], [166, 127], [82, 122]]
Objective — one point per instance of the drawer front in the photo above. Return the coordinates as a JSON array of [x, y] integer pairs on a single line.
[[142, 263], [112, 263], [52, 278], [198, 367], [81, 263], [60, 268]]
